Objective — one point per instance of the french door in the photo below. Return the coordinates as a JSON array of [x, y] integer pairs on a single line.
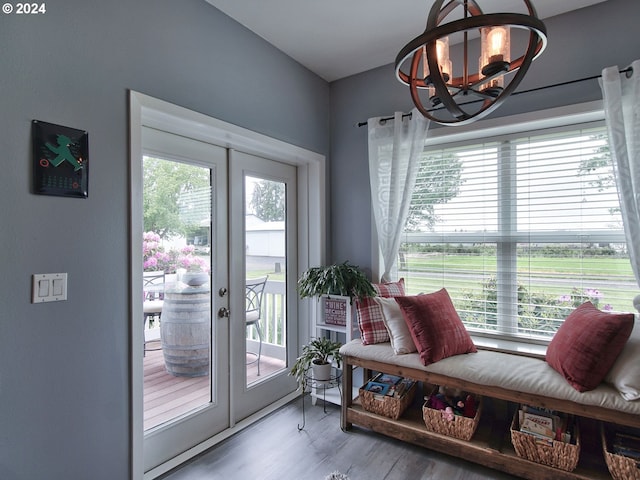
[[234, 216], [263, 245], [185, 194]]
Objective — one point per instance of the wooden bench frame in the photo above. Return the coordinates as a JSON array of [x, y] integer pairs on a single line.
[[413, 430]]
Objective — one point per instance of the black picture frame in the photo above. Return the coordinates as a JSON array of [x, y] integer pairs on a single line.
[[60, 160]]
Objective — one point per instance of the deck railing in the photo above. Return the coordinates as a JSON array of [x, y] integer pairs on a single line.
[[272, 319], [273, 315]]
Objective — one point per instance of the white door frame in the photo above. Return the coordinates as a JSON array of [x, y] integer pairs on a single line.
[[152, 112]]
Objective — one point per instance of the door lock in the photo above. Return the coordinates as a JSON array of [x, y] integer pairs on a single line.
[[222, 292], [223, 312]]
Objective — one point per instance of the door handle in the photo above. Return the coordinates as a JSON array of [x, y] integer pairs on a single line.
[[223, 312]]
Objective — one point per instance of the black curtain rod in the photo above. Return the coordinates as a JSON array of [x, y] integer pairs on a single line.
[[628, 70]]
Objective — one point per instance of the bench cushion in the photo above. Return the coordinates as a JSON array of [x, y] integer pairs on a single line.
[[512, 372]]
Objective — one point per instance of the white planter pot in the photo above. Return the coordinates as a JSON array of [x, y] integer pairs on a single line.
[[321, 373], [195, 279]]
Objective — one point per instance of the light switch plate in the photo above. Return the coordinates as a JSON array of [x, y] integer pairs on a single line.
[[49, 287]]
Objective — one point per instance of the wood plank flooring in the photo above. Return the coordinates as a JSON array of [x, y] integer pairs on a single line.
[[274, 449], [167, 396]]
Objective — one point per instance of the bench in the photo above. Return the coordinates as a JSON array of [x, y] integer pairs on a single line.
[[497, 375]]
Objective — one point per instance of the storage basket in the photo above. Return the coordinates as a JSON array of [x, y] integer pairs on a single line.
[[561, 455], [392, 407], [460, 427], [620, 467]]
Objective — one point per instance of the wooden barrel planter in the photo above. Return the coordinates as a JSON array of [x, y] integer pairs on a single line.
[[185, 331]]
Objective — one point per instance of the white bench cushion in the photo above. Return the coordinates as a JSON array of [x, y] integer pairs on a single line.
[[512, 372]]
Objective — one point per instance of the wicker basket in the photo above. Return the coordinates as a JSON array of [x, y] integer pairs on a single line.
[[620, 467], [561, 455], [392, 407], [462, 428]]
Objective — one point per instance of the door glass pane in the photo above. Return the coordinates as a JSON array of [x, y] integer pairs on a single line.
[[177, 300], [266, 266]]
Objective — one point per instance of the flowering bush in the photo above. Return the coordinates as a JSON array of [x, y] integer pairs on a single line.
[[156, 259], [191, 262], [577, 297], [538, 313]]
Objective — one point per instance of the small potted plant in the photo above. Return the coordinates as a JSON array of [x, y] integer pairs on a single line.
[[195, 269], [318, 355]]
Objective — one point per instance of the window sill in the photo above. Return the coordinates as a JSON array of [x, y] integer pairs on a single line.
[[510, 346]]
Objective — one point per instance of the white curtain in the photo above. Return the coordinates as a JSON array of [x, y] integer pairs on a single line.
[[394, 156], [621, 94]]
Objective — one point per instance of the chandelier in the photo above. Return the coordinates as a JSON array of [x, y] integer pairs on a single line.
[[425, 66]]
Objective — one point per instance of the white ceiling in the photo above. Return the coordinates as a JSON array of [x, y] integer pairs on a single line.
[[338, 38]]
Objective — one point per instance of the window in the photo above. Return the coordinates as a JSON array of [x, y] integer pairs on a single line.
[[520, 229]]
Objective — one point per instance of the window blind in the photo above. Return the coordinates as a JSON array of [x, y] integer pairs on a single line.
[[520, 229]]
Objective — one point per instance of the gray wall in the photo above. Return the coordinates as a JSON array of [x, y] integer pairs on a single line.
[[64, 367], [581, 44]]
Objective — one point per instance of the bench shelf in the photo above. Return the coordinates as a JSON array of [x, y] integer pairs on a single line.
[[491, 445]]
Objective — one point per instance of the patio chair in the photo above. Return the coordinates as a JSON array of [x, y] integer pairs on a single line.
[[254, 291], [153, 291]]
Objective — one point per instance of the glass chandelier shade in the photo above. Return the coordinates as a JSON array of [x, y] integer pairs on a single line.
[[425, 66]]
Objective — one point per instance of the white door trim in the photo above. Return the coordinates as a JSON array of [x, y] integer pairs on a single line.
[[155, 113]]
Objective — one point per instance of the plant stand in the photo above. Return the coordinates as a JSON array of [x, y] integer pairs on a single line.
[[345, 333], [333, 382]]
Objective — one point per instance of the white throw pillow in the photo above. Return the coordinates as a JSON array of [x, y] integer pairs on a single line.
[[625, 373], [401, 340]]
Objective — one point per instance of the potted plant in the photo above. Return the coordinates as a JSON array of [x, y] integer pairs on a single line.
[[339, 279], [195, 268], [335, 283], [318, 355]]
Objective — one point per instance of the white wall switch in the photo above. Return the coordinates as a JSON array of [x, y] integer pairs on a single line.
[[49, 287], [58, 286], [43, 288]]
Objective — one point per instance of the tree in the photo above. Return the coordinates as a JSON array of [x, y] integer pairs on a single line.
[[600, 169], [439, 180], [268, 200], [600, 164], [165, 187]]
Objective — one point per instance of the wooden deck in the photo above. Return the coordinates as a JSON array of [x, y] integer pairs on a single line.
[[167, 396]]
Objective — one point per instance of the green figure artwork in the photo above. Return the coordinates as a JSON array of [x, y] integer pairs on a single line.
[[60, 160], [63, 153]]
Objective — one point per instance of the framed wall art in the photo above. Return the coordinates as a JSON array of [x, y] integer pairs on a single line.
[[60, 160]]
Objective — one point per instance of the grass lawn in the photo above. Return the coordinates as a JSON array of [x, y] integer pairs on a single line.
[[550, 276]]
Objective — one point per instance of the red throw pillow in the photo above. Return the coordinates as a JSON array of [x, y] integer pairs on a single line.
[[435, 326], [587, 345], [370, 317]]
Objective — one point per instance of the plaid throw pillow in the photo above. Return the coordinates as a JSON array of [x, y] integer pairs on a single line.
[[370, 316]]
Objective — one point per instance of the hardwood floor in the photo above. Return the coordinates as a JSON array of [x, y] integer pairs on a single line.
[[274, 449]]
